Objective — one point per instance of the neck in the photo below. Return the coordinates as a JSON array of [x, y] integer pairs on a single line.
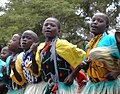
[[50, 39]]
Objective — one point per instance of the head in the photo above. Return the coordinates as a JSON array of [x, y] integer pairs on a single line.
[[51, 28], [27, 39], [14, 43], [5, 52], [99, 24]]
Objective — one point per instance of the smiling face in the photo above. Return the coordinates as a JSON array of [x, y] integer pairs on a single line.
[[51, 28], [99, 24]]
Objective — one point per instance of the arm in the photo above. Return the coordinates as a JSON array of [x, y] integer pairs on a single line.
[[17, 72], [69, 79], [113, 74], [34, 65], [12, 66]]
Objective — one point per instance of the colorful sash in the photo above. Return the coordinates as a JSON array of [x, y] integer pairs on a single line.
[[96, 70]]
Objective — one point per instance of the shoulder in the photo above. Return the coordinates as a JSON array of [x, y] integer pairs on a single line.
[[41, 45], [109, 37], [2, 62], [62, 42]]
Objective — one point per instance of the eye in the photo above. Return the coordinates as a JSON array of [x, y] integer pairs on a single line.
[[46, 24], [22, 37], [13, 39], [93, 20], [53, 25], [100, 20]]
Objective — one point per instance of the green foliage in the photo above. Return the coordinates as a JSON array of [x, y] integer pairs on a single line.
[[21, 15]]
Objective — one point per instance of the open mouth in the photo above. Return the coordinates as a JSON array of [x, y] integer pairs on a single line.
[[47, 31], [23, 44], [93, 27]]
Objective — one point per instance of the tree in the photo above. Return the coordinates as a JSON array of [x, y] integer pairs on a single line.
[[30, 14]]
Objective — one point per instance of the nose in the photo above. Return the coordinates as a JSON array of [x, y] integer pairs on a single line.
[[48, 26], [95, 22]]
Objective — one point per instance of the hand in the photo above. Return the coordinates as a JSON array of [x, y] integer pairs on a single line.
[[69, 80], [112, 75], [85, 64], [3, 70], [12, 64], [33, 48]]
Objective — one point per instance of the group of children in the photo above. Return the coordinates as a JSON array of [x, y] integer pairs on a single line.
[[54, 67]]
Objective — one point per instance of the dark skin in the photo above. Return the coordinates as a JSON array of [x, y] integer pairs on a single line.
[[69, 79], [99, 25], [13, 46], [114, 74], [51, 29], [27, 40], [29, 44], [5, 52]]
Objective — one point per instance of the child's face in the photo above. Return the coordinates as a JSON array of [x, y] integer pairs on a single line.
[[50, 28], [14, 43], [26, 41], [4, 54], [98, 24]]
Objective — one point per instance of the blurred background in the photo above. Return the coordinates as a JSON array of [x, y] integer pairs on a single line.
[[17, 16]]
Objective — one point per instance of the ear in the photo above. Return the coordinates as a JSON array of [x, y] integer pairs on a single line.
[[117, 37], [107, 26]]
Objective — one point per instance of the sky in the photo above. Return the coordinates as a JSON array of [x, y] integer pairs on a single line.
[[110, 8], [2, 2]]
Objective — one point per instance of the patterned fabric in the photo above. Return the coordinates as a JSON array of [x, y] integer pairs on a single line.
[[93, 43], [30, 78], [54, 70], [65, 50], [11, 84], [48, 67], [97, 84], [96, 70]]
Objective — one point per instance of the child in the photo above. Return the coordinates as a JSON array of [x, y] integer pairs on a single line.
[[55, 58], [14, 47], [5, 52], [102, 59], [117, 37], [22, 65]]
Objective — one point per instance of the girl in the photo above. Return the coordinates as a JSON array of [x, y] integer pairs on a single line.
[[55, 58], [14, 47], [102, 59], [23, 65]]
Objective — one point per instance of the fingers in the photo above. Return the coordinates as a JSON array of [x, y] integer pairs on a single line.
[[68, 81], [33, 48]]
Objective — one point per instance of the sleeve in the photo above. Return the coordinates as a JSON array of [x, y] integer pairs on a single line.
[[37, 58], [29, 68], [19, 70], [70, 52]]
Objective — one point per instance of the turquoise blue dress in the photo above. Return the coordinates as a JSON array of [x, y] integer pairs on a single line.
[[2, 63], [104, 87]]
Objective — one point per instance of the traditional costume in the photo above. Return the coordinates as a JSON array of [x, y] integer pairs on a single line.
[[55, 60], [22, 66], [98, 84]]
